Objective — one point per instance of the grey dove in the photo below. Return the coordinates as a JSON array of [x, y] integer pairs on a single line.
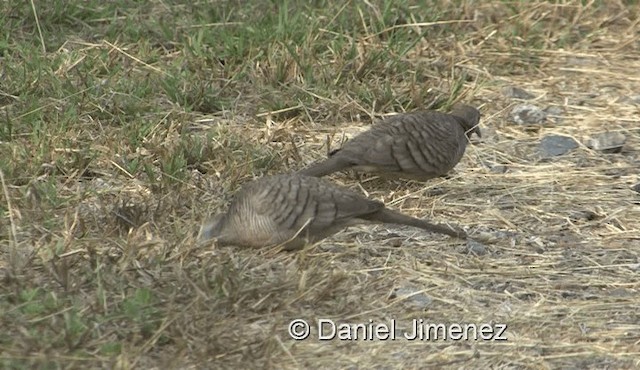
[[419, 145], [292, 210]]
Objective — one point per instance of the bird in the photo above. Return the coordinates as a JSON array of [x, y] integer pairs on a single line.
[[418, 145], [293, 210]]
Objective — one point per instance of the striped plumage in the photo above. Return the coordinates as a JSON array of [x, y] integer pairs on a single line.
[[293, 210], [418, 145]]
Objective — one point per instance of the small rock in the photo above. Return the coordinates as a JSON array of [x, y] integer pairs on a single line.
[[636, 187], [584, 215], [607, 142], [491, 237], [395, 242], [528, 114], [554, 110], [505, 203], [413, 296], [489, 135], [475, 248], [630, 99], [555, 113], [620, 292], [517, 93], [615, 173], [499, 169], [434, 192], [581, 61], [495, 168], [555, 145]]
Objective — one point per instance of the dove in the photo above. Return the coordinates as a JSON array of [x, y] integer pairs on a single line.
[[417, 146], [293, 210]]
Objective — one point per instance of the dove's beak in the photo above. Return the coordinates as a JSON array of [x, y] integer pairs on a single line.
[[474, 130], [477, 131]]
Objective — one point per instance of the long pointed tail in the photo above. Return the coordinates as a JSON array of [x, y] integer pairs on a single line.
[[386, 215], [323, 168]]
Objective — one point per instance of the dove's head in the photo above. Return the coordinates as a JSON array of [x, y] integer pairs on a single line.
[[214, 229], [469, 118]]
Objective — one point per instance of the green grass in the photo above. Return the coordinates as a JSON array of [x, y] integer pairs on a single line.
[[124, 123]]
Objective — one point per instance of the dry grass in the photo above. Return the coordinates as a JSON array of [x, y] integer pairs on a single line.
[[122, 143]]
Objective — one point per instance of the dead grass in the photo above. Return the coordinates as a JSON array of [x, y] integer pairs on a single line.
[[128, 131]]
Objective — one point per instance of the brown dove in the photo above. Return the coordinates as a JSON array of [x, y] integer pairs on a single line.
[[292, 210], [419, 145]]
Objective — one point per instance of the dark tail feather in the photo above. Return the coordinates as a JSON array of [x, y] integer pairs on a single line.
[[326, 167], [388, 216]]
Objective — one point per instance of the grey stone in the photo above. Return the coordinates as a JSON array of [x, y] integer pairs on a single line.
[[495, 167], [475, 248], [517, 93], [413, 296], [607, 142], [555, 145], [499, 169], [629, 99], [583, 215], [636, 187], [581, 61], [555, 113], [528, 114]]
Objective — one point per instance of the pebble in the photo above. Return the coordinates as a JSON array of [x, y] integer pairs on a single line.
[[607, 142], [494, 167], [499, 169], [555, 113], [555, 145], [475, 248], [517, 93], [528, 114], [630, 99], [583, 215], [411, 296]]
